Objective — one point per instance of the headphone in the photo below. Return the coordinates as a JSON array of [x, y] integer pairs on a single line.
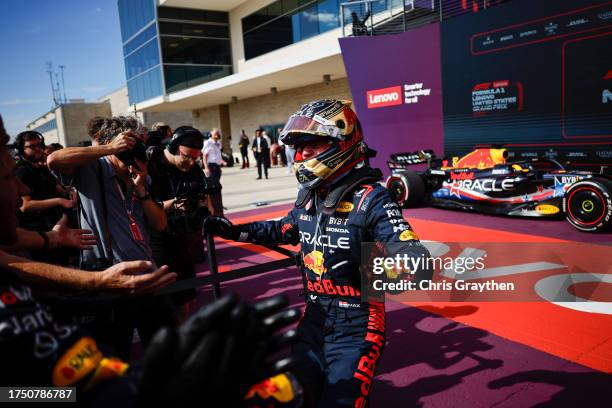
[[23, 136], [180, 133]]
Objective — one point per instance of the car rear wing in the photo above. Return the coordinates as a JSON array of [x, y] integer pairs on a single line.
[[403, 160]]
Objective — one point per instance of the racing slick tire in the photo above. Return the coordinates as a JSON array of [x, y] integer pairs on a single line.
[[588, 205], [407, 187]]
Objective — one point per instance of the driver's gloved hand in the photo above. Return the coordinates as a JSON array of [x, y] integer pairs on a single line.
[[217, 354], [224, 228]]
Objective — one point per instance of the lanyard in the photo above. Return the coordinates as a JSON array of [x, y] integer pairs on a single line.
[[129, 209]]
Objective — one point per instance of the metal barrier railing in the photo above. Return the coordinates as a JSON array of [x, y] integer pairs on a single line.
[[362, 16], [379, 17], [215, 279]]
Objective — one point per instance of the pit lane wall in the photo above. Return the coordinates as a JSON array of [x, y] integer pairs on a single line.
[[534, 76]]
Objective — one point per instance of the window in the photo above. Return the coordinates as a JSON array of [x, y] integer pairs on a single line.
[[142, 59], [328, 15], [134, 15], [185, 76], [180, 50], [140, 39], [197, 30], [145, 86], [46, 127], [309, 22], [192, 15], [266, 30]]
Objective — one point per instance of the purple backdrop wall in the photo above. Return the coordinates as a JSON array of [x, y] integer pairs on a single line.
[[407, 59]]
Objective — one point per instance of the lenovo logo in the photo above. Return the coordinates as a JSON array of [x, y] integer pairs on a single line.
[[378, 98]]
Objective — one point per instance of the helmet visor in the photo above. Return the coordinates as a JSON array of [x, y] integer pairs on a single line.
[[298, 126]]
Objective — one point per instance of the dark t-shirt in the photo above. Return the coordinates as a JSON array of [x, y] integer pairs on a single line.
[[42, 185], [168, 182]]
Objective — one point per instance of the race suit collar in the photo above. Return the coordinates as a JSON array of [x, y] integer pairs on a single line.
[[339, 189]]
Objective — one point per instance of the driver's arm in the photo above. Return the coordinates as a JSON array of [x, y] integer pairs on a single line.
[[388, 227], [283, 231]]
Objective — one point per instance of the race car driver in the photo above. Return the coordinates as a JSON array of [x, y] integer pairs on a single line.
[[212, 358], [339, 206]]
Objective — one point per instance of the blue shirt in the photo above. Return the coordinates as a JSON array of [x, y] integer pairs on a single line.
[[93, 188]]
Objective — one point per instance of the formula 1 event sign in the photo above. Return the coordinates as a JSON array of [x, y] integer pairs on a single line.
[[396, 86]]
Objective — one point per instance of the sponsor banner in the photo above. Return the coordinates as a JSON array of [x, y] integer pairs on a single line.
[[379, 98], [574, 275], [498, 96], [532, 76], [396, 83]]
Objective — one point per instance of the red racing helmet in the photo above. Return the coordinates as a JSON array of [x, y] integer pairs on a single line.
[[325, 120]]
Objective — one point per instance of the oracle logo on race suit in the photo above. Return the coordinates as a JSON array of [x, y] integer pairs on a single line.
[[378, 98]]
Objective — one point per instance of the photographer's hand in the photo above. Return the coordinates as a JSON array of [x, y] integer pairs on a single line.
[[63, 236], [139, 177], [130, 278], [124, 141]]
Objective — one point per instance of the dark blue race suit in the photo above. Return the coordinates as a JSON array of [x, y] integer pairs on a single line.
[[341, 336]]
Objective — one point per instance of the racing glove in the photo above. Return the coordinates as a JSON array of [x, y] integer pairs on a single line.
[[217, 353], [224, 228]]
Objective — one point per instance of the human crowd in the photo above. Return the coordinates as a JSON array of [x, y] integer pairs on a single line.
[[88, 235], [93, 239]]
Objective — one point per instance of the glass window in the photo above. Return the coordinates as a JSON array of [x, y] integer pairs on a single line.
[[289, 5], [191, 14], [196, 51], [182, 77], [309, 22], [303, 19], [175, 78], [198, 30], [378, 6], [143, 59], [268, 38], [145, 86], [140, 39], [295, 28], [134, 15], [275, 9], [328, 15]]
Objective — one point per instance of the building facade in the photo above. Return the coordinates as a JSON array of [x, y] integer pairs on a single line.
[[67, 124], [234, 64]]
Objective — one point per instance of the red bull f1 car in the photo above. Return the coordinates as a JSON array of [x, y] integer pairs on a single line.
[[485, 181]]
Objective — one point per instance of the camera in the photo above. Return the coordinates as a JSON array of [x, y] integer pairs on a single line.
[[156, 137], [138, 152], [190, 218]]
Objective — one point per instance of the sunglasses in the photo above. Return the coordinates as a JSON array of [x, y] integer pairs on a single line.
[[189, 158]]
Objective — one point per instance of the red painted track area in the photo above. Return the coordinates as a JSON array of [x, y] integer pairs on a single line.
[[470, 353]]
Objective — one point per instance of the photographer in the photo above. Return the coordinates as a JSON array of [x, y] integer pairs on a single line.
[[159, 135], [212, 160], [178, 182], [93, 128], [46, 200], [115, 205], [43, 206]]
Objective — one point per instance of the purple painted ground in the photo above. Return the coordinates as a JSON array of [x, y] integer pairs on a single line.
[[433, 361]]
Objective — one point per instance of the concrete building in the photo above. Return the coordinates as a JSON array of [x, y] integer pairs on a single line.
[[119, 106], [234, 64], [66, 124]]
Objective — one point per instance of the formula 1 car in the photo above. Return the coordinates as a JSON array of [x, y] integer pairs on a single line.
[[484, 181]]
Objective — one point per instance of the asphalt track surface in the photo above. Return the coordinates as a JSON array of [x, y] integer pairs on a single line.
[[465, 354]]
